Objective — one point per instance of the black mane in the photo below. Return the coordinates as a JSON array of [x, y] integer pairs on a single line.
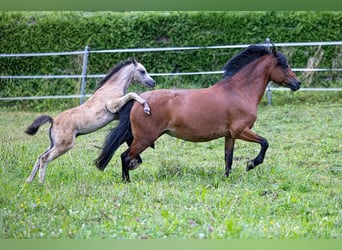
[[248, 55], [114, 70]]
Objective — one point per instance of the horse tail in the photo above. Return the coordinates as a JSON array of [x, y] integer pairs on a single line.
[[116, 136], [33, 128]]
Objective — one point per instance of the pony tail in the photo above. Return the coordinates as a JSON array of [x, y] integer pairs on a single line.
[[116, 136], [33, 128]]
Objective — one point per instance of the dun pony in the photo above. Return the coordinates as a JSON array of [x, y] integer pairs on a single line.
[[100, 109]]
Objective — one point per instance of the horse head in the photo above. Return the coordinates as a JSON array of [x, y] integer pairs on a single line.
[[282, 73], [141, 75]]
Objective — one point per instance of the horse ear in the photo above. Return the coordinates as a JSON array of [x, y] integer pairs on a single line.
[[274, 51], [134, 61]]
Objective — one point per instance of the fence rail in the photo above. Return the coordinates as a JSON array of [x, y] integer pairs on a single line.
[[87, 51]]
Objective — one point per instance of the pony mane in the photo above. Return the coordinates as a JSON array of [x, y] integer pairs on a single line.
[[115, 70], [245, 57]]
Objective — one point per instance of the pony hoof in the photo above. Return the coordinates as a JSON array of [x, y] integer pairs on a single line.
[[147, 111], [250, 165], [134, 164], [226, 174]]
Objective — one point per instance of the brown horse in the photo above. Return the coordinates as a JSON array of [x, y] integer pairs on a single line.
[[227, 109], [100, 109]]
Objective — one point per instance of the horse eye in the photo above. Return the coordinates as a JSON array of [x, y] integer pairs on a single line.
[[142, 72]]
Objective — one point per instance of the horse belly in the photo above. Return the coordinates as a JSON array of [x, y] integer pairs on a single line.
[[194, 137], [198, 128], [90, 124]]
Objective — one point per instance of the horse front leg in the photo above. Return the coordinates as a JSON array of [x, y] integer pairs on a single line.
[[116, 104], [228, 153], [248, 135]]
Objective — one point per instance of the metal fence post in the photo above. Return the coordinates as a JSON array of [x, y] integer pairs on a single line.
[[84, 73], [268, 91]]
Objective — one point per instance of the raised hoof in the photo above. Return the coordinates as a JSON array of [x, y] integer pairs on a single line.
[[250, 165], [133, 164], [147, 111]]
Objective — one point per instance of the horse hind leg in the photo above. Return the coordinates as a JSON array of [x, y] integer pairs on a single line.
[[135, 162], [45, 158], [38, 166], [39, 162], [129, 163], [130, 157], [35, 169], [125, 161]]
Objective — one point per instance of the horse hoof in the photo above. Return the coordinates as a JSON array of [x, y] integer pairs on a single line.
[[133, 164], [226, 174], [250, 165], [147, 111], [125, 180]]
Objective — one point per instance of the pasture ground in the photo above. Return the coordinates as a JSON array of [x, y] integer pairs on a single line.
[[179, 191]]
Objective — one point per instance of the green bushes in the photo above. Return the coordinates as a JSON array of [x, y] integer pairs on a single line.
[[72, 31]]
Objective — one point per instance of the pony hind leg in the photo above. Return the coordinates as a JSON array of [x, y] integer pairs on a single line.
[[49, 156], [125, 161], [45, 158], [135, 162], [131, 155], [36, 167], [248, 135], [128, 163]]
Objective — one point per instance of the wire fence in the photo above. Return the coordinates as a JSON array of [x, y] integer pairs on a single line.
[[85, 53]]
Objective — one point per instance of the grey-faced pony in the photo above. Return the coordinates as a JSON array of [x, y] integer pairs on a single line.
[[100, 109]]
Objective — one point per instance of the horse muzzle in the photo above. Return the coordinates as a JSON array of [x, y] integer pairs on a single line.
[[294, 85], [151, 83]]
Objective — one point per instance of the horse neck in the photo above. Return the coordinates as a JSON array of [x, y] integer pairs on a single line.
[[252, 80], [122, 79]]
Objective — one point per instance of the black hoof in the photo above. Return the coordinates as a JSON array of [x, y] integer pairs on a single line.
[[125, 180], [250, 165], [226, 174]]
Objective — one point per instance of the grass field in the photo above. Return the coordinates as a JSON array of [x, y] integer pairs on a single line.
[[179, 191]]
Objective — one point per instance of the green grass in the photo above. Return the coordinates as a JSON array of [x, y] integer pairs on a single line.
[[179, 191]]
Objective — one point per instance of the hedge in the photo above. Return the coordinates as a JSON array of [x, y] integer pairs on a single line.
[[70, 31]]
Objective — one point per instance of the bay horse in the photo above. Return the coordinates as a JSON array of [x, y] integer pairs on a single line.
[[100, 109], [227, 109]]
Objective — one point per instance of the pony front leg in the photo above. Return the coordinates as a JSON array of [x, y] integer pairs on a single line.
[[228, 153], [248, 135], [115, 105]]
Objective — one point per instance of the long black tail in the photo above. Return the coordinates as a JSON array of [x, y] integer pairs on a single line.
[[116, 136], [33, 128]]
